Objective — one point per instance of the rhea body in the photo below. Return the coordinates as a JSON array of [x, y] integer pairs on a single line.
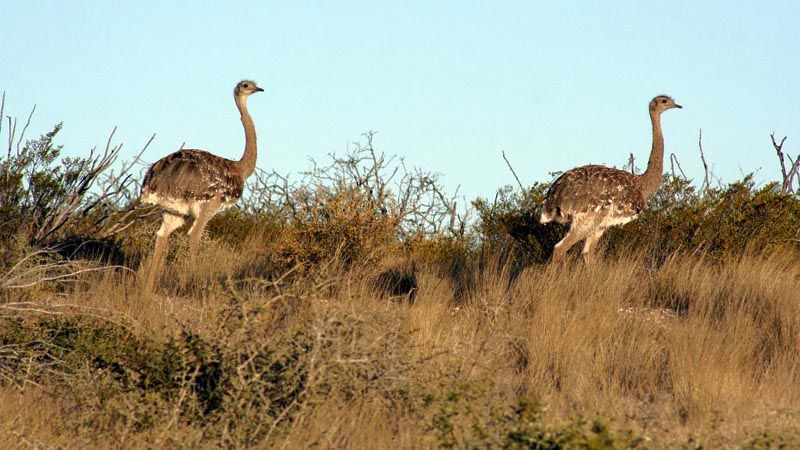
[[196, 185], [593, 198]]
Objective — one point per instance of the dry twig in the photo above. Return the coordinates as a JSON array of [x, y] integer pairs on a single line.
[[706, 175], [521, 188]]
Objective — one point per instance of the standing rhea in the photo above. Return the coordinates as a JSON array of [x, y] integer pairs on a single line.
[[594, 198], [197, 184]]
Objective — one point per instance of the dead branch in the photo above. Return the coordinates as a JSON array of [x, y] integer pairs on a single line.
[[631, 165], [794, 172], [2, 109], [706, 175], [12, 129], [779, 150], [675, 163], [413, 199], [25, 128], [76, 192], [788, 176], [513, 172]]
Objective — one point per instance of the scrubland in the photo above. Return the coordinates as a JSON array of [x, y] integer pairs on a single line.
[[347, 312]]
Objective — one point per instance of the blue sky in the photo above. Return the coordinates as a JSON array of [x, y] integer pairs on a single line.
[[447, 85]]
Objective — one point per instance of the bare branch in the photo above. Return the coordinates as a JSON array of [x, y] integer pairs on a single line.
[[412, 199], [631, 165], [794, 172], [2, 109], [25, 128], [521, 188], [12, 129], [674, 163], [706, 177], [69, 206], [788, 176], [779, 150]]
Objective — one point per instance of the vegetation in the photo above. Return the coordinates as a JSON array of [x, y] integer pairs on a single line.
[[361, 307]]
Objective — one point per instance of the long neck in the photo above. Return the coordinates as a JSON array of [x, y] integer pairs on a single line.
[[247, 165], [651, 178]]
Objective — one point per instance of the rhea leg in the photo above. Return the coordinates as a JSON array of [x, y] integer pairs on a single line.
[[591, 240], [580, 228], [560, 250], [205, 212], [170, 223]]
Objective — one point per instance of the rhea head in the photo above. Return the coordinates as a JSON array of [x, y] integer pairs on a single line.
[[245, 88], [662, 103]]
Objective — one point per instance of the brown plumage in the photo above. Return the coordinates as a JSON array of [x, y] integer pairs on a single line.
[[192, 175], [197, 184], [583, 189], [593, 198]]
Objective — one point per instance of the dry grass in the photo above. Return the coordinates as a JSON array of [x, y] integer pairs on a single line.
[[691, 352]]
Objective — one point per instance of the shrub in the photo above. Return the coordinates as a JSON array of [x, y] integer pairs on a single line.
[[510, 225], [462, 422], [46, 199], [340, 224], [722, 222]]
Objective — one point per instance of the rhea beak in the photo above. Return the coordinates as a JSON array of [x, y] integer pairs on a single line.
[[258, 89], [678, 106]]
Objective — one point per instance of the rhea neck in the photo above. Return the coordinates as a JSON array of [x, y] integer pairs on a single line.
[[247, 164], [651, 178]]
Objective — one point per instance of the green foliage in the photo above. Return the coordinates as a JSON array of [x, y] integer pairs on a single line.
[[518, 425], [766, 441], [46, 199], [721, 222], [510, 225], [352, 212], [54, 347], [241, 382], [209, 379], [341, 223], [31, 185], [234, 226]]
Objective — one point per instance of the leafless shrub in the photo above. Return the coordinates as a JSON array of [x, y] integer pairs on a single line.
[[413, 199], [788, 176]]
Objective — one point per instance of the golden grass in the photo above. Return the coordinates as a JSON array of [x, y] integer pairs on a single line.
[[688, 352]]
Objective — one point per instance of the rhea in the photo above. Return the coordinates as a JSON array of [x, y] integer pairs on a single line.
[[195, 184], [593, 198]]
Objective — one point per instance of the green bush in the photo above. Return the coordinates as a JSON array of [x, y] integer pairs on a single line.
[[363, 207], [722, 222], [510, 225], [251, 377], [461, 421], [32, 184], [341, 224], [201, 376], [68, 204]]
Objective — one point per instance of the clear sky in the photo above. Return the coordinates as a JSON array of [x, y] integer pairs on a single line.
[[447, 85]]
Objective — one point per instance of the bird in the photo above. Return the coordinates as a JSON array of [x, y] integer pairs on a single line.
[[195, 184], [593, 198]]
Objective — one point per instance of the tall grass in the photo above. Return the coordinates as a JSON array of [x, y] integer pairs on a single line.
[[357, 309], [689, 352]]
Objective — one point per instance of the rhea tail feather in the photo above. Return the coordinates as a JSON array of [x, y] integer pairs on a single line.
[[547, 216]]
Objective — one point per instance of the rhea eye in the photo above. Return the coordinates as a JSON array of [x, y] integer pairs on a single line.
[[245, 85], [663, 100]]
